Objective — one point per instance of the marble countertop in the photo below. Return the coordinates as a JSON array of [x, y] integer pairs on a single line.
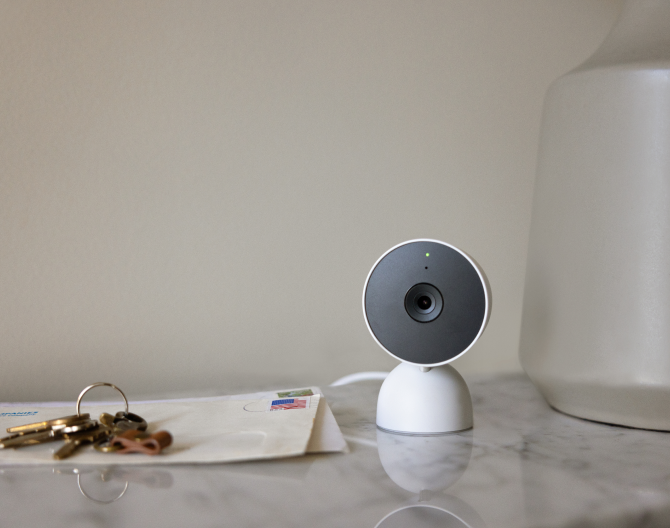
[[523, 465]]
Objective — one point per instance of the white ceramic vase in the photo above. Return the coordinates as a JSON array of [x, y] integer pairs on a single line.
[[595, 336]]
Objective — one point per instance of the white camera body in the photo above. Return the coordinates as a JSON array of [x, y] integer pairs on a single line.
[[426, 303]]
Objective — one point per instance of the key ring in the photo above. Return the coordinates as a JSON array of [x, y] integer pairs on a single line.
[[100, 384]]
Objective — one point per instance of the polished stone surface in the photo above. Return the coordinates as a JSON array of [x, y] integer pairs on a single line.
[[523, 465]]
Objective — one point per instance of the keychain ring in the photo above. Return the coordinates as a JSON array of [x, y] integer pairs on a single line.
[[100, 384]]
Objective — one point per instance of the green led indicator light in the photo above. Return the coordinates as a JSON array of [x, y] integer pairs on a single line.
[[428, 254]]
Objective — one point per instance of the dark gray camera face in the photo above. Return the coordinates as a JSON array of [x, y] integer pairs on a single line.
[[425, 302]]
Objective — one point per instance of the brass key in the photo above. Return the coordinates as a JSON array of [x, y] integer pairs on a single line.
[[39, 432], [74, 441], [20, 440], [40, 437], [49, 424]]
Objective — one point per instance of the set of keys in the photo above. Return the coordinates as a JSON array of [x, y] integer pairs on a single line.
[[124, 432]]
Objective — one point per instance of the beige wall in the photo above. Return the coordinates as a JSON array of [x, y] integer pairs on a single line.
[[192, 193]]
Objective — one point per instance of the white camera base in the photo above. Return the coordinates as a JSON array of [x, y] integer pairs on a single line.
[[424, 401]]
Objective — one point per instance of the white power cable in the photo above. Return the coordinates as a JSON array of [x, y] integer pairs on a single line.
[[360, 376]]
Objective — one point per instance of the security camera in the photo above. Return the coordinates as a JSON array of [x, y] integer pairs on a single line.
[[425, 303]]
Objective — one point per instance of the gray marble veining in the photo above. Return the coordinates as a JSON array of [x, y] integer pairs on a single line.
[[523, 465]]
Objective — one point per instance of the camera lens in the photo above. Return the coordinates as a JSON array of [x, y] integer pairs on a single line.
[[424, 302]]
